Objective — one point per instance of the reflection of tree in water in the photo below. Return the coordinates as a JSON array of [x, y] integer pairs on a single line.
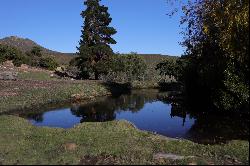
[[211, 126], [176, 111], [173, 98], [134, 102], [219, 127], [38, 117], [94, 112], [105, 110]]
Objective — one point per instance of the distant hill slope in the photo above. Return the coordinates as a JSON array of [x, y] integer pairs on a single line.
[[152, 59], [64, 58], [26, 45]]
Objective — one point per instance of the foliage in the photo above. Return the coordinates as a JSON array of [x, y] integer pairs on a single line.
[[168, 67], [217, 42], [134, 66], [38, 59], [95, 39], [125, 68], [35, 55], [11, 53], [26, 45], [36, 51], [48, 63], [33, 58]]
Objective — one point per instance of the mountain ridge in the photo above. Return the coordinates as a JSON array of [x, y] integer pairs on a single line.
[[26, 44]]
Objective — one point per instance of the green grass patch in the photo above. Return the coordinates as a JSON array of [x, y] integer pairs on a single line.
[[35, 75], [21, 95], [116, 142]]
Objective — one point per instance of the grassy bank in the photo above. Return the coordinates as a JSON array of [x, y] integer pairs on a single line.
[[116, 142], [106, 143], [24, 94], [37, 88]]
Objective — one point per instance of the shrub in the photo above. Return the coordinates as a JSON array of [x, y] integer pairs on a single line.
[[48, 63], [124, 68], [11, 53]]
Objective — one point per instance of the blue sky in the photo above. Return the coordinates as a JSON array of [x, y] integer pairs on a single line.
[[142, 25]]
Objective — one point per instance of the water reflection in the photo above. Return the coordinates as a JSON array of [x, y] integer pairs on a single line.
[[217, 127], [211, 126], [149, 110], [106, 109]]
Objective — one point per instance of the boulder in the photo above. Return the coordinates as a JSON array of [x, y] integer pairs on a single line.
[[7, 75], [24, 67], [8, 64], [59, 69]]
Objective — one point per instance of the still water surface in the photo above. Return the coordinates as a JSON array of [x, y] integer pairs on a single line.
[[147, 112]]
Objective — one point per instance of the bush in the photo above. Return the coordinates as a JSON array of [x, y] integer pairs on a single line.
[[11, 53], [48, 63], [124, 68], [36, 51]]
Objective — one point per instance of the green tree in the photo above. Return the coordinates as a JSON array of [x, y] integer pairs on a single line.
[[95, 39], [217, 55], [35, 54], [38, 59], [134, 66], [168, 67]]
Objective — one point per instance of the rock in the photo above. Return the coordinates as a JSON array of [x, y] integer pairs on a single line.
[[8, 64], [170, 156], [8, 75], [69, 72], [59, 69], [24, 67]]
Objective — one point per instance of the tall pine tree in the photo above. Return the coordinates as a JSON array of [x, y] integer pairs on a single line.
[[95, 39]]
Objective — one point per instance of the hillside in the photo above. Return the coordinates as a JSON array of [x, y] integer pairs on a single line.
[[64, 58], [152, 59], [26, 45]]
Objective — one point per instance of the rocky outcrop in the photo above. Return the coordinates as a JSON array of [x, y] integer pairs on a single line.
[[69, 72]]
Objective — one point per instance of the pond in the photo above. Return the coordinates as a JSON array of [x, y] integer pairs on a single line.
[[148, 112]]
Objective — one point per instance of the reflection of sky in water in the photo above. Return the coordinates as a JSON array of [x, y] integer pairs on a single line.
[[153, 117], [147, 112], [62, 118], [156, 117]]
